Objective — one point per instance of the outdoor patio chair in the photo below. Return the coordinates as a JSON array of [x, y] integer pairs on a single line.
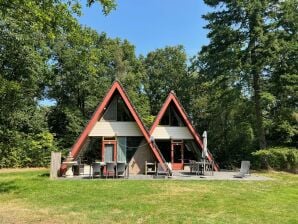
[[244, 170], [96, 171], [120, 169], [160, 171], [194, 166], [209, 168], [78, 170], [110, 169], [81, 169], [150, 168]]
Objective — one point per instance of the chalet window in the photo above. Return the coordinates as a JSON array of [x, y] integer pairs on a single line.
[[126, 147], [172, 118], [121, 149], [192, 151], [132, 145], [117, 110], [111, 112], [166, 118], [123, 113], [165, 148], [92, 151]]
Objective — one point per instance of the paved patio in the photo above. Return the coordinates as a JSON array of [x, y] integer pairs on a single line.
[[180, 175], [222, 175]]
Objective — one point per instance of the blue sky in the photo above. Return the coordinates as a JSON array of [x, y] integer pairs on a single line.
[[152, 24]]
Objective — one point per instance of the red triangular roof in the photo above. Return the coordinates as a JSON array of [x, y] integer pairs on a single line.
[[116, 86], [173, 98]]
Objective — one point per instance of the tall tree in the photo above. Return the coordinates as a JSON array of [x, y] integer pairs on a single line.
[[28, 30], [74, 5], [224, 113], [84, 65], [166, 70], [283, 83], [244, 41], [107, 5]]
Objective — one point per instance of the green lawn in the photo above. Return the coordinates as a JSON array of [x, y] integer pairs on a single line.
[[30, 197]]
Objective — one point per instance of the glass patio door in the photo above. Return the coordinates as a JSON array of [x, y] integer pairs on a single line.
[[109, 151], [177, 155]]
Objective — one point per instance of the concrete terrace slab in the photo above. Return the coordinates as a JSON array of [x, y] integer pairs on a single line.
[[222, 175]]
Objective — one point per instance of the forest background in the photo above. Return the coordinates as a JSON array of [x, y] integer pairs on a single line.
[[242, 87]]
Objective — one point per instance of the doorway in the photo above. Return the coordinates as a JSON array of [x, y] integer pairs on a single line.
[[109, 150], [177, 154]]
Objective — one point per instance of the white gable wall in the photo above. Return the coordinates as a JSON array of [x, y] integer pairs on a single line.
[[170, 132], [115, 128]]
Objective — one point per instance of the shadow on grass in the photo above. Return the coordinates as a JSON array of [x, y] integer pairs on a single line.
[[6, 187], [44, 175]]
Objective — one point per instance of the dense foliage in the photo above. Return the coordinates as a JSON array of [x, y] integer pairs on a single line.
[[241, 88], [30, 32], [166, 70], [277, 158], [247, 77]]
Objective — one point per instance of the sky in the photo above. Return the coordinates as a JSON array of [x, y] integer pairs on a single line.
[[152, 24]]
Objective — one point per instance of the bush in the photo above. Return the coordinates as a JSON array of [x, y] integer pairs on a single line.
[[26, 150], [278, 158]]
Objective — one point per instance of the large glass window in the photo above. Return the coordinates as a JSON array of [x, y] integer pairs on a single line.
[[191, 152], [123, 113], [92, 151], [117, 110], [165, 148], [171, 117], [121, 149], [132, 145]]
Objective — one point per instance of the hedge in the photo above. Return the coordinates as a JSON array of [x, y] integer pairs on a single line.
[[278, 158]]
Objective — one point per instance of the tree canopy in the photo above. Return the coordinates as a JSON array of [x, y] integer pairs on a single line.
[[253, 46]]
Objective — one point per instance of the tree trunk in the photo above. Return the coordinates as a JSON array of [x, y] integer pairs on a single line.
[[255, 22], [258, 111]]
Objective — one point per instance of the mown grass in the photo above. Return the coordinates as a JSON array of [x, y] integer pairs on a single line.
[[31, 197]]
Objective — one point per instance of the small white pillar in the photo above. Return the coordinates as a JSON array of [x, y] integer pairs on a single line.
[[55, 164]]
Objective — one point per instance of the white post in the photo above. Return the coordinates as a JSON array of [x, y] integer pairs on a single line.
[[55, 164], [204, 154]]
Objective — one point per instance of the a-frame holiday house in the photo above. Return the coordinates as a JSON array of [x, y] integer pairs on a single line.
[[116, 133], [175, 136]]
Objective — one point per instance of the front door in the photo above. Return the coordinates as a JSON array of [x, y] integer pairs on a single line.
[[177, 155], [109, 151]]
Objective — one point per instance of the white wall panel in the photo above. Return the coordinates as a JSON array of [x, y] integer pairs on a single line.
[[170, 132], [115, 128]]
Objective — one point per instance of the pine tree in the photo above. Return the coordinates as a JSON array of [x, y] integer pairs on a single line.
[[244, 43]]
